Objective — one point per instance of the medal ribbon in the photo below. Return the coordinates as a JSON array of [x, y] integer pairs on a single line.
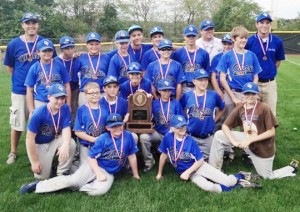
[[131, 87], [116, 148], [166, 118], [48, 80], [141, 51], [110, 106], [241, 66], [70, 68], [92, 65], [96, 126], [204, 101], [155, 53], [249, 122], [187, 53], [56, 126], [180, 150], [262, 46], [124, 62], [30, 53], [161, 70]]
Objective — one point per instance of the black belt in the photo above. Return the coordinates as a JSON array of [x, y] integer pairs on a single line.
[[237, 90], [86, 145], [204, 137], [189, 84], [266, 80]]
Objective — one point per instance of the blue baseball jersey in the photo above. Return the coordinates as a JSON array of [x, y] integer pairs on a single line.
[[236, 78], [36, 78], [159, 113], [84, 70], [41, 123], [189, 155], [196, 126], [84, 122], [213, 67], [111, 53], [126, 90], [201, 61], [106, 155], [150, 56], [120, 107], [17, 57], [175, 73], [275, 52], [138, 54]]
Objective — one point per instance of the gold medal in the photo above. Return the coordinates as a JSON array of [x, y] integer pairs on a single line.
[[47, 86], [175, 164], [95, 76], [56, 135], [265, 58], [96, 133], [249, 132], [192, 67], [29, 59]]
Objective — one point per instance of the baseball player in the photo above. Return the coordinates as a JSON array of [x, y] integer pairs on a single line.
[[163, 109], [237, 67], [49, 131], [186, 157], [270, 52], [257, 139], [200, 105], [106, 158], [91, 66], [43, 74], [20, 54], [165, 67], [191, 57], [135, 81], [207, 41], [90, 120], [156, 35]]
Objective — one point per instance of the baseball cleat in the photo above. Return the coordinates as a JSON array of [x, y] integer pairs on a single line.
[[247, 184], [294, 163], [27, 188], [247, 175]]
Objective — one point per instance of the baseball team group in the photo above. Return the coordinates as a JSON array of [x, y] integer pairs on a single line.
[[209, 98]]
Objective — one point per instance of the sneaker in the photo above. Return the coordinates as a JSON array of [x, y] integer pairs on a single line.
[[247, 184], [27, 188], [11, 158], [294, 163], [147, 168]]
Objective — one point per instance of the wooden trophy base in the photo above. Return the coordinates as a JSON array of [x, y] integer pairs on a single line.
[[140, 127]]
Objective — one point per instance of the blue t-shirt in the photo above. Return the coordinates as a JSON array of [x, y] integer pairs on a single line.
[[126, 90], [201, 61], [274, 53], [84, 73], [150, 56], [36, 78], [213, 67], [16, 56], [106, 155], [84, 122], [189, 155], [42, 125], [236, 78], [159, 113], [138, 54], [196, 126], [120, 107]]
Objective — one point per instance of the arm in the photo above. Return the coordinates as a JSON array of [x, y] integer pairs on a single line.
[[133, 164], [84, 136], [229, 135], [162, 161], [68, 89], [30, 100], [255, 78], [31, 152], [63, 151], [96, 169], [154, 92], [178, 91], [219, 113], [265, 135], [10, 69], [228, 90], [187, 173], [278, 62], [215, 84]]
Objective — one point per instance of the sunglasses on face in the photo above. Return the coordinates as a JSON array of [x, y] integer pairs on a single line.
[[123, 43], [166, 49], [191, 36]]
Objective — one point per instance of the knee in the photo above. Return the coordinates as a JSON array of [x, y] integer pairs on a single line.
[[144, 138], [229, 181]]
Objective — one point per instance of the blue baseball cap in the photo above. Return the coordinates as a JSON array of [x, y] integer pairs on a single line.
[[165, 44], [206, 24], [93, 36], [134, 28], [190, 30], [200, 73], [110, 79], [30, 17], [122, 36], [178, 121], [227, 39], [156, 30], [134, 67], [165, 84], [250, 87], [66, 41], [44, 44], [114, 119], [263, 16], [57, 90]]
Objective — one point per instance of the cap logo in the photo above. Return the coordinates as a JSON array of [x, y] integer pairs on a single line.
[[60, 87], [166, 41], [227, 36], [166, 83], [191, 28], [207, 22], [180, 118], [46, 43], [202, 71], [265, 14], [93, 35], [249, 85], [122, 34], [114, 118]]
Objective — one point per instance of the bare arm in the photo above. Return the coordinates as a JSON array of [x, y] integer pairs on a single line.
[[215, 84], [10, 69], [36, 166], [255, 78], [30, 100], [96, 169], [162, 161], [133, 164], [178, 91], [229, 135], [219, 113], [63, 151], [252, 139], [68, 89], [228, 90], [84, 136], [187, 173], [154, 92], [278, 62]]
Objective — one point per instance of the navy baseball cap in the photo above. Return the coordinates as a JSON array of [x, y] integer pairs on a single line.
[[134, 67], [122, 36], [93, 36], [156, 30], [165, 84], [165, 44], [178, 121], [45, 44], [190, 30], [200, 73], [57, 90], [206, 24], [66, 41], [110, 79], [227, 39], [134, 28], [250, 87], [30, 17], [114, 119], [263, 16]]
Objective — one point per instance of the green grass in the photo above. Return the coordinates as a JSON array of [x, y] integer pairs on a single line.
[[170, 194]]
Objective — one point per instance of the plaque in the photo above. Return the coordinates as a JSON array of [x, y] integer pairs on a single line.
[[140, 109]]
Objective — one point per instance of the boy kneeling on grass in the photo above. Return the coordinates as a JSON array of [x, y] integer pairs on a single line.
[[106, 157], [188, 160]]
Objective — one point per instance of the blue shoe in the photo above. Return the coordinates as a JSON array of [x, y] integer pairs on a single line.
[[27, 188]]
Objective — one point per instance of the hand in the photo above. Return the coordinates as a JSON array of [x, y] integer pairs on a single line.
[[244, 144], [236, 101], [36, 167], [101, 177], [185, 176], [63, 152], [159, 177]]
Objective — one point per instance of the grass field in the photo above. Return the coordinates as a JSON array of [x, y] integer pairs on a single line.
[[170, 194]]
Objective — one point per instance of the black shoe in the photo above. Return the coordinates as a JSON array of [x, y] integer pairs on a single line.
[[27, 188]]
